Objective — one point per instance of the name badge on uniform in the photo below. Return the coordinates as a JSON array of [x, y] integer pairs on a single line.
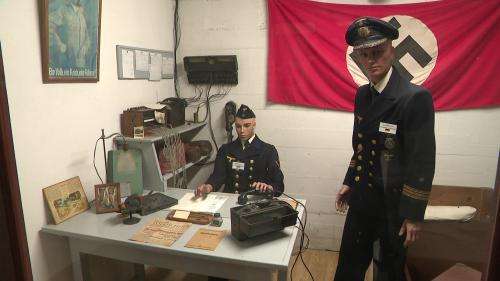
[[388, 128], [238, 166]]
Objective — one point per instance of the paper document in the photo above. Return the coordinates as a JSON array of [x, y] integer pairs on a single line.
[[141, 60], [180, 214], [155, 67], [206, 239], [128, 64], [211, 204], [161, 232], [167, 66]]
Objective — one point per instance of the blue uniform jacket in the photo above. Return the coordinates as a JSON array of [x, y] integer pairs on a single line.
[[237, 169], [392, 167]]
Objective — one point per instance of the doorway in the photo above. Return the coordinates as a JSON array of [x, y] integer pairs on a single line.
[[14, 256]]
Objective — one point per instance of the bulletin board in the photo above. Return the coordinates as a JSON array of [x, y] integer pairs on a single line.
[[135, 63]]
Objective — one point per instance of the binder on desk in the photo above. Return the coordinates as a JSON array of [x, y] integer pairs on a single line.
[[125, 167]]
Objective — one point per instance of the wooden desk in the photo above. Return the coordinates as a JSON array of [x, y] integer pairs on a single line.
[[105, 235]]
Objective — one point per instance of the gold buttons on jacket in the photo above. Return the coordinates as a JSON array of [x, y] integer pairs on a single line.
[[237, 176], [236, 185], [373, 152], [370, 185], [360, 157], [251, 168], [371, 162], [370, 174], [374, 142], [360, 147], [236, 192], [250, 177], [356, 178], [251, 161], [358, 168], [360, 135]]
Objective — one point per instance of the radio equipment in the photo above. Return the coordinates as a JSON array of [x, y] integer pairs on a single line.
[[260, 218], [211, 69]]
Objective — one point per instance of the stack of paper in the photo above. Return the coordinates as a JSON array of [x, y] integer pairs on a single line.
[[211, 204]]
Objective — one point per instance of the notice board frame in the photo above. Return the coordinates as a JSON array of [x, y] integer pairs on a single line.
[[141, 75]]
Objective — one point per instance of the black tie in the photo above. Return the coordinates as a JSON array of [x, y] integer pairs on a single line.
[[374, 94]]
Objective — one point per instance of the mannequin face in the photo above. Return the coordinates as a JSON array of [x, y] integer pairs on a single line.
[[245, 128], [376, 60]]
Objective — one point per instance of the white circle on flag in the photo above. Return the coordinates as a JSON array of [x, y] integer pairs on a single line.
[[411, 29]]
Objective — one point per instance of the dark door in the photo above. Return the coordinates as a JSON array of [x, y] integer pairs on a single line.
[[14, 256]]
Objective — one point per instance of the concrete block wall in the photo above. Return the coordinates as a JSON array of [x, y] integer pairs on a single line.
[[313, 144]]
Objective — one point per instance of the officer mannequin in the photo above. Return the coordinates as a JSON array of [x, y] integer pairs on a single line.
[[245, 163], [388, 182]]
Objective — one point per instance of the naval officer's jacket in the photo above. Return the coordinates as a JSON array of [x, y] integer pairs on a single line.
[[238, 168], [392, 167]]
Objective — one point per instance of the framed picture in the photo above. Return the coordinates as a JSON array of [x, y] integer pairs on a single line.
[[70, 35], [107, 198], [66, 199]]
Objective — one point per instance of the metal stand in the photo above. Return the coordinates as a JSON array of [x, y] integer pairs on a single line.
[[103, 137]]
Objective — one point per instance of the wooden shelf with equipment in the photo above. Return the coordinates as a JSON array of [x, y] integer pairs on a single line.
[[150, 147]]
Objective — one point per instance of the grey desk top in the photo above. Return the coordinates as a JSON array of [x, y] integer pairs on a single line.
[[272, 250]]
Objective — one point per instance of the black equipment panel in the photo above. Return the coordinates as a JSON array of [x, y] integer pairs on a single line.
[[211, 69], [262, 217]]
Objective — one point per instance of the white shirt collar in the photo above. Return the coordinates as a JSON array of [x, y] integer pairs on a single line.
[[251, 139], [380, 86]]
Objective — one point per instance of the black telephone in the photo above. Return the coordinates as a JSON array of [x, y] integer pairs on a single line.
[[176, 113], [230, 115], [243, 198]]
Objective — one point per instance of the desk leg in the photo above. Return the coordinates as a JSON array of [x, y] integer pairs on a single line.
[[282, 275], [76, 261], [139, 272]]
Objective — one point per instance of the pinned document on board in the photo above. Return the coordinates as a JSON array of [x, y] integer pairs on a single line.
[[128, 64], [167, 65], [141, 63], [155, 67], [141, 60]]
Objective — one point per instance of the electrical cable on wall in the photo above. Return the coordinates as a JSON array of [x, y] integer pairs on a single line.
[[209, 113], [177, 39], [95, 148], [197, 101]]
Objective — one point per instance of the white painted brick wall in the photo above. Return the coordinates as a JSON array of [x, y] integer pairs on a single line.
[[314, 144]]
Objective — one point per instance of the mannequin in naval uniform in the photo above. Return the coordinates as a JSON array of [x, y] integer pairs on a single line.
[[388, 182], [245, 163]]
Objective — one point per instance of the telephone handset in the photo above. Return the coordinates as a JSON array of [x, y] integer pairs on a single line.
[[230, 115]]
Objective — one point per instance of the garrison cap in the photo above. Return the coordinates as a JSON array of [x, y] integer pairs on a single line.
[[367, 32], [244, 112]]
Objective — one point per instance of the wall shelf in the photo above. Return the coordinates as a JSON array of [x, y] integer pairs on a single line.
[[151, 173], [187, 166], [160, 133]]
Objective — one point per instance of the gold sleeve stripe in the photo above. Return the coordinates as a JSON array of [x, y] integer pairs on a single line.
[[415, 193], [414, 190]]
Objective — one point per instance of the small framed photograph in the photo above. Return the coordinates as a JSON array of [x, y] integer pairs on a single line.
[[70, 37], [66, 199], [107, 198], [139, 132]]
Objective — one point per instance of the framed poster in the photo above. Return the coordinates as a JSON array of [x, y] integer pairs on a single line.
[[66, 199], [70, 35], [107, 198]]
